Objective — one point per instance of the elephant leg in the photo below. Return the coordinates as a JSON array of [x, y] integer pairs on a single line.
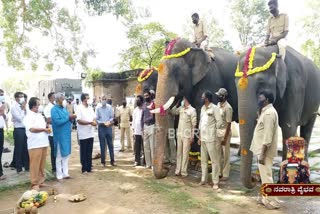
[[287, 132], [305, 132]]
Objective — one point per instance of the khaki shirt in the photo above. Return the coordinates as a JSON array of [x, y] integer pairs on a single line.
[[266, 132], [187, 120], [124, 114], [226, 112], [210, 120], [277, 25], [200, 31]]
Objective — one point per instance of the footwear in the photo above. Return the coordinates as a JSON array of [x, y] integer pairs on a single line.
[[6, 150], [113, 164], [202, 183], [6, 165], [103, 165], [67, 177], [85, 173], [20, 172], [177, 174], [3, 177], [121, 150], [215, 187], [148, 167], [184, 176]]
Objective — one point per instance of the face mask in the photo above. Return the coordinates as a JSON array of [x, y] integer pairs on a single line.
[[203, 102], [182, 103], [261, 103], [220, 99], [195, 22], [21, 100], [148, 99], [104, 102], [124, 104], [64, 103], [2, 99], [40, 109], [139, 103], [109, 102]]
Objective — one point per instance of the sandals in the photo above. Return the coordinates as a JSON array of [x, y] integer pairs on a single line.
[[6, 165], [6, 150]]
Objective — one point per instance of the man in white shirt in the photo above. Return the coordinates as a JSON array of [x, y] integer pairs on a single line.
[[137, 130], [38, 143], [47, 114], [20, 154], [210, 119], [3, 118], [86, 122]]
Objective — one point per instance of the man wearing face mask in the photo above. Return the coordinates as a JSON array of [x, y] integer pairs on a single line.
[[210, 119], [187, 124], [37, 143], [61, 124], [124, 117], [264, 143], [224, 132], [47, 114], [148, 121], [3, 118], [20, 154], [115, 120], [137, 130], [104, 115]]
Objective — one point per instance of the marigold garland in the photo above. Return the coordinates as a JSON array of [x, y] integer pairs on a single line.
[[145, 74], [160, 68], [177, 55], [138, 89]]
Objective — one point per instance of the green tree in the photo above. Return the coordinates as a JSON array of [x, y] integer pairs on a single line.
[[25, 24], [311, 30], [146, 46], [12, 85], [215, 32], [249, 17]]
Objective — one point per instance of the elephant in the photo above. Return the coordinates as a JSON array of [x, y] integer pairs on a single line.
[[295, 84], [190, 75]]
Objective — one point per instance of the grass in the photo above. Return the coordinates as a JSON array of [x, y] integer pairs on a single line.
[[8, 136]]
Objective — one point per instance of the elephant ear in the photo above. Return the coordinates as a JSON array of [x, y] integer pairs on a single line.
[[199, 63], [281, 76]]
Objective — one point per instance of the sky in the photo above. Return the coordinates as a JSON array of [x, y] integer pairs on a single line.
[[107, 36]]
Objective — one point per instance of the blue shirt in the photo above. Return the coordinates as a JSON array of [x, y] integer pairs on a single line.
[[61, 127], [104, 114]]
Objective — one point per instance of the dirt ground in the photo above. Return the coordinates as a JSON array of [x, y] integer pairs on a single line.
[[126, 189]]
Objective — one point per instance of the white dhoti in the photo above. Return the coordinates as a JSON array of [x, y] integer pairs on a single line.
[[282, 44], [62, 168]]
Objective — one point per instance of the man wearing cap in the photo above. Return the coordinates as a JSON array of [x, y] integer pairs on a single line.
[[278, 28], [187, 124], [224, 132]]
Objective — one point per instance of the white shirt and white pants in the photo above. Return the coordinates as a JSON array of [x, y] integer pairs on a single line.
[[137, 131], [47, 114], [37, 148]]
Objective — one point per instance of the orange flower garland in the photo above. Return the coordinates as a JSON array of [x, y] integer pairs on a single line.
[[145, 74]]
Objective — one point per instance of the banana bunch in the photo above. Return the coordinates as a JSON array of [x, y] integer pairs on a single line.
[[35, 201]]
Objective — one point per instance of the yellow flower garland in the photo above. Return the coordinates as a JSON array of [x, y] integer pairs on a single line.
[[177, 55], [257, 69], [251, 58], [141, 79]]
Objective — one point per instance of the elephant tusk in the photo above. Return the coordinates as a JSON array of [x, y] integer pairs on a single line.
[[165, 106]]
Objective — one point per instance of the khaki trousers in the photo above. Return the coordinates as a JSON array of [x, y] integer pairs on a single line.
[[212, 150], [183, 155], [37, 164], [125, 130], [148, 144], [225, 157], [266, 177]]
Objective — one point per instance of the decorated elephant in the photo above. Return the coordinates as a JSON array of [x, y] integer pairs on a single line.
[[294, 82], [147, 80], [188, 72]]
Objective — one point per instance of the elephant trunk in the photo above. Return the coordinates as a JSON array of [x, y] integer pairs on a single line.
[[247, 116]]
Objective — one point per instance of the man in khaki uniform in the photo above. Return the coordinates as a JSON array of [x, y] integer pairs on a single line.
[[187, 124], [224, 132], [278, 28], [264, 143], [200, 38], [170, 147], [124, 115], [210, 119]]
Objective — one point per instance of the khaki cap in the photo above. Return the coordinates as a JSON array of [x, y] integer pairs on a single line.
[[222, 92]]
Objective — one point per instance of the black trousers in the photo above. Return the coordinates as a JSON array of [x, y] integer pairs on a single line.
[[1, 149], [137, 148], [21, 155], [86, 147], [53, 158]]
